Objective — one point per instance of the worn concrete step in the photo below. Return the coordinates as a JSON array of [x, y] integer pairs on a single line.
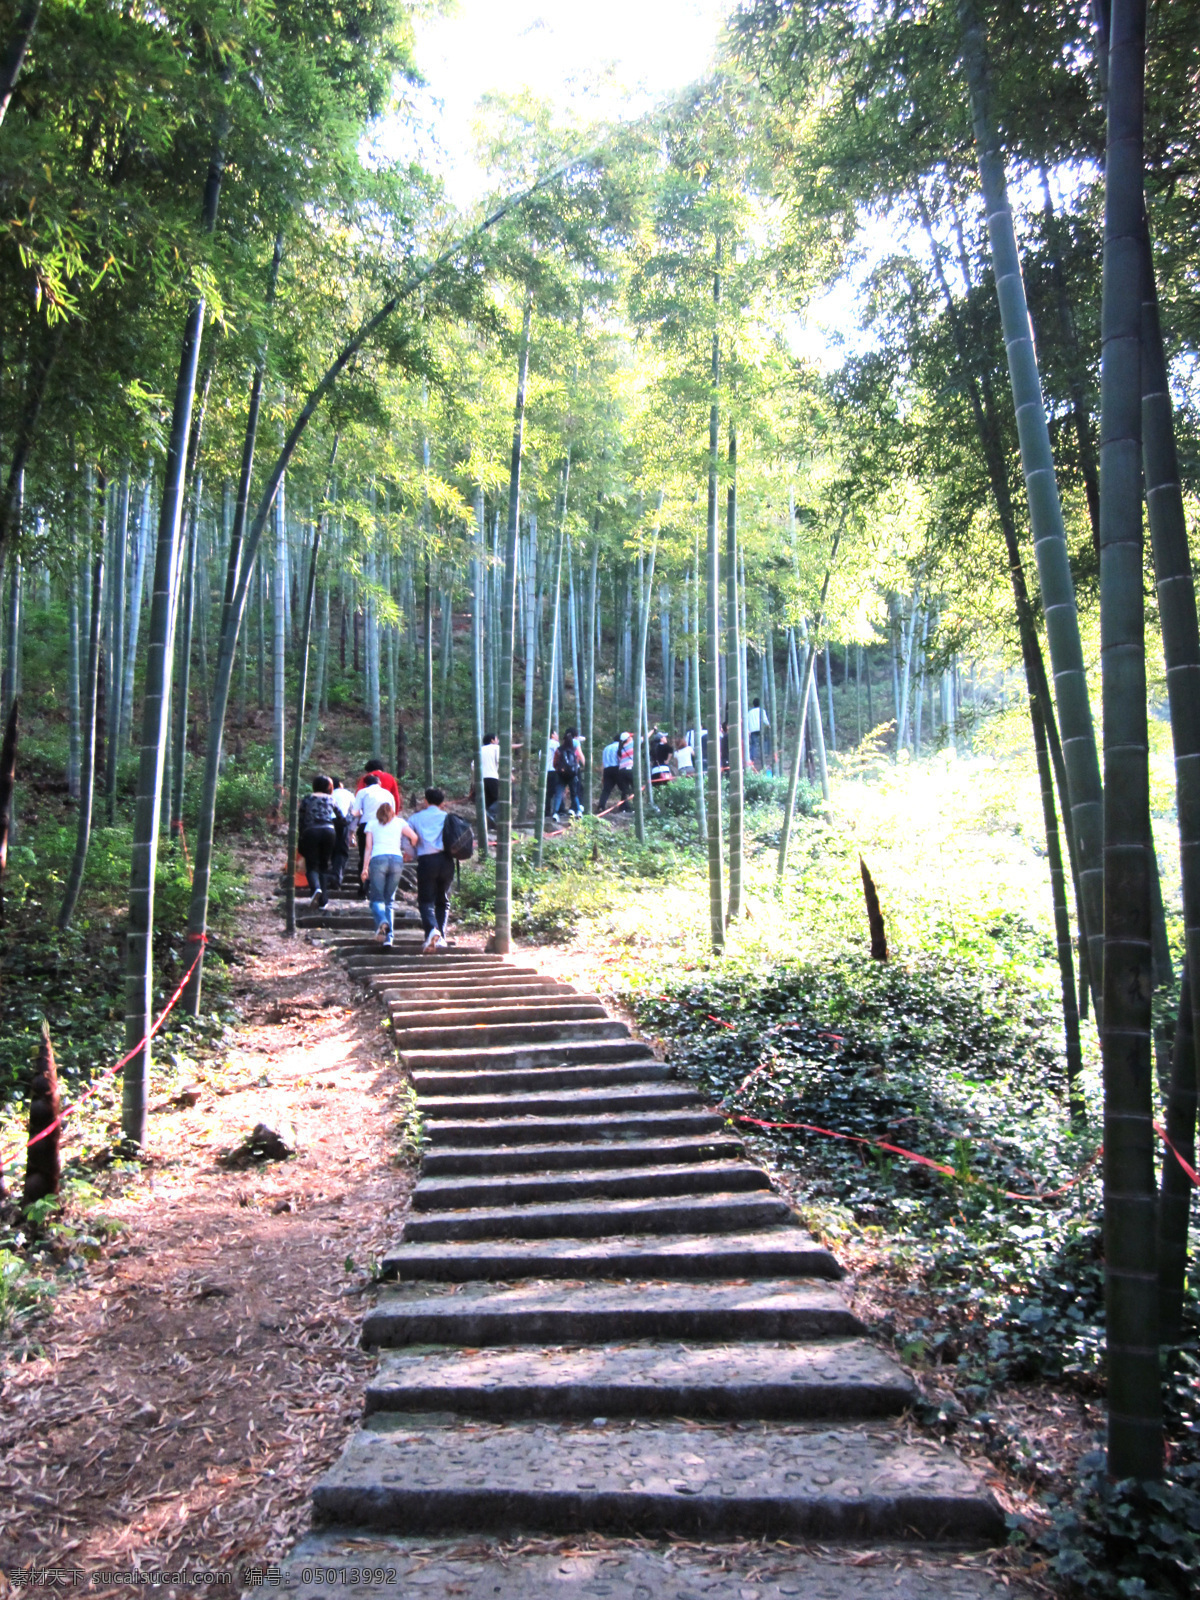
[[566, 1077], [502, 1033], [569, 1157], [442, 964], [843, 1379], [595, 1313], [480, 1014], [406, 985], [556, 1102], [763, 1252], [619, 1128], [620, 1183], [722, 1482], [721, 1212], [401, 1569], [482, 1057], [476, 1004]]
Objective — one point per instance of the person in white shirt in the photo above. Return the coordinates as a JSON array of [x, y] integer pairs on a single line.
[[685, 762], [489, 771], [435, 869], [366, 803], [551, 778], [756, 721], [343, 802], [609, 763], [383, 863]]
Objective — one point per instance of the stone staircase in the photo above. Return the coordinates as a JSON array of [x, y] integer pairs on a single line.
[[602, 1319]]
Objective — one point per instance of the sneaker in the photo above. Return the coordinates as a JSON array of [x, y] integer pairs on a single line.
[[431, 939], [318, 900], [441, 939], [387, 943], [381, 933]]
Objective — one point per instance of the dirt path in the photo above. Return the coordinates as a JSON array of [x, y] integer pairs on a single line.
[[207, 1368]]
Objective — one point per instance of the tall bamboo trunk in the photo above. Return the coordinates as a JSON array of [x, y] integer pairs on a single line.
[[1181, 648], [734, 675], [530, 591], [117, 674], [184, 667], [293, 812], [698, 708], [1135, 1435], [73, 662], [640, 758], [590, 669], [87, 772], [1045, 508], [548, 726], [712, 576], [427, 671], [314, 722], [477, 675], [803, 699], [279, 642], [136, 587], [139, 988], [507, 631]]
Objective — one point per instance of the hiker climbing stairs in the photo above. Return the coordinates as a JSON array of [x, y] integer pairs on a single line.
[[601, 1317]]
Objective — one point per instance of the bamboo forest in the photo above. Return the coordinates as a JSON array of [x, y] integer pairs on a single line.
[[600, 798]]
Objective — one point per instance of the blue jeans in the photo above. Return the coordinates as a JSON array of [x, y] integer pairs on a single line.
[[383, 879]]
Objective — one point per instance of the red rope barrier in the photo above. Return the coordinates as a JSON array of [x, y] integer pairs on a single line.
[[1191, 1171], [926, 1161], [10, 1156]]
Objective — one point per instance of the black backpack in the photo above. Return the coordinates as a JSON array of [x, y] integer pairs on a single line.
[[458, 840]]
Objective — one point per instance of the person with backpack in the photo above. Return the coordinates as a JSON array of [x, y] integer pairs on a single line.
[[318, 837], [343, 804], [435, 868], [568, 766]]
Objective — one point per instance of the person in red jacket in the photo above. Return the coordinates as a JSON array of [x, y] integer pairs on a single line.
[[374, 772]]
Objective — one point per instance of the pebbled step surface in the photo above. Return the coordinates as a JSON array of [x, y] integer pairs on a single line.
[[591, 1313], [600, 1219], [843, 1379], [534, 1103], [389, 1568], [566, 1076], [565, 1156], [617, 1127], [528, 1055], [743, 1482], [766, 1252], [619, 1183]]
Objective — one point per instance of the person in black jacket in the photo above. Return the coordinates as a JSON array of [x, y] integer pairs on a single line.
[[318, 840]]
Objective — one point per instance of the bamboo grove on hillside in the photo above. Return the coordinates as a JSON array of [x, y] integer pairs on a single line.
[[285, 438]]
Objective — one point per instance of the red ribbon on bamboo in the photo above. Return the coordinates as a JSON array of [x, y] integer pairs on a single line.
[[10, 1155]]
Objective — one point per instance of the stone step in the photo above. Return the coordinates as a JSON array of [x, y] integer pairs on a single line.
[[721, 1212], [480, 1014], [781, 1252], [482, 1057], [568, 1077], [415, 991], [618, 1128], [453, 963], [843, 1379], [551, 1102], [470, 1002], [502, 1033], [748, 1482], [400, 1569], [620, 1183], [568, 1157], [473, 982], [593, 1313]]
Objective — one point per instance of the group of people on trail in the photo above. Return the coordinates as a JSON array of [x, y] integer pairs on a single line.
[[387, 841]]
